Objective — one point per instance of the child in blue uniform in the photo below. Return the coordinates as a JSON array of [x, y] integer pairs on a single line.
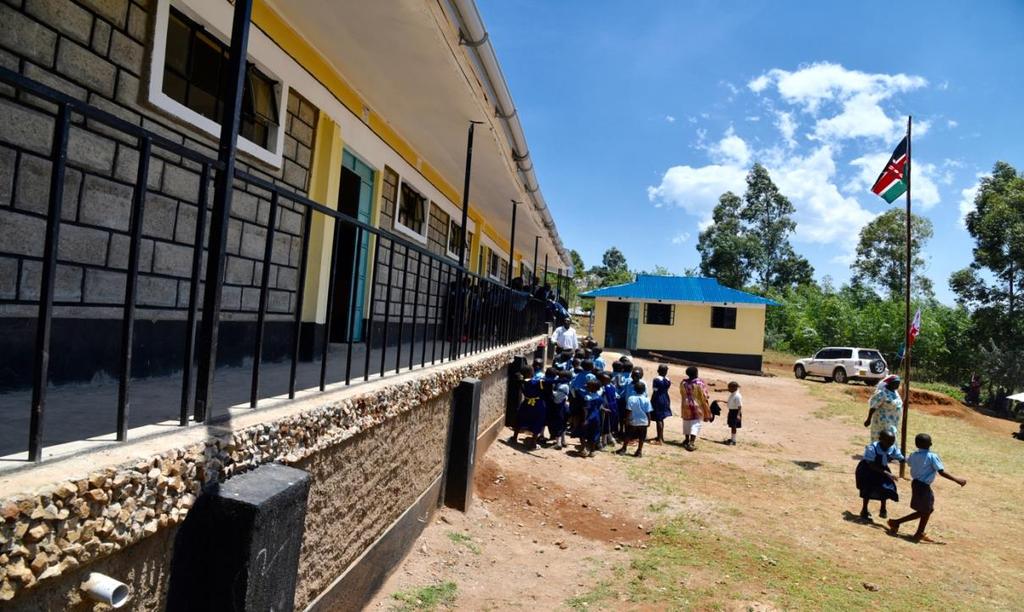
[[874, 479], [558, 408], [638, 415], [924, 465], [532, 411], [594, 407], [598, 360], [611, 398], [661, 401]]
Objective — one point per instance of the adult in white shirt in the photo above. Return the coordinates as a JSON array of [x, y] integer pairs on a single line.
[[565, 336]]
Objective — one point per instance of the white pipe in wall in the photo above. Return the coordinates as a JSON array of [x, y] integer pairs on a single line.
[[104, 589]]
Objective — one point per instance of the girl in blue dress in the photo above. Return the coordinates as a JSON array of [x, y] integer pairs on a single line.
[[610, 426], [532, 413], [595, 406], [661, 401]]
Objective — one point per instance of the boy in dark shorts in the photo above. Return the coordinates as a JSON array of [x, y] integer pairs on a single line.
[[638, 417], [924, 465]]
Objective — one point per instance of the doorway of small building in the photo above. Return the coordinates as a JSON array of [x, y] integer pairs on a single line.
[[617, 324], [355, 198]]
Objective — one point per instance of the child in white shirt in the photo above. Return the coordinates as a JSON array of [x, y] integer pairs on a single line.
[[735, 417]]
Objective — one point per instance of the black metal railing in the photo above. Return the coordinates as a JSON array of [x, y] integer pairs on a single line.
[[404, 306]]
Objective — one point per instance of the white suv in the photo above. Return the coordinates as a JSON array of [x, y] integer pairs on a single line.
[[843, 364]]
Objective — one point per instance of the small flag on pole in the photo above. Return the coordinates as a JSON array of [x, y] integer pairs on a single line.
[[892, 182], [915, 328]]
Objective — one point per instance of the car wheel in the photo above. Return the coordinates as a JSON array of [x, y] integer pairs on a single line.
[[877, 366], [839, 375], [800, 372]]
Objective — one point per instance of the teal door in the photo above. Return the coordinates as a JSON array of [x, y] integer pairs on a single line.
[[631, 329], [355, 198]]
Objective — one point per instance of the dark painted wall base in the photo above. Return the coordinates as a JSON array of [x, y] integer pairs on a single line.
[[82, 349], [727, 360], [353, 589]]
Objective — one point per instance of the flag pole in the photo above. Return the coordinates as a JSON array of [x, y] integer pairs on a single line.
[[906, 336]]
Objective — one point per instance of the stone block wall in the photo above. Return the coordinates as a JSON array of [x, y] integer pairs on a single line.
[[97, 52], [370, 451]]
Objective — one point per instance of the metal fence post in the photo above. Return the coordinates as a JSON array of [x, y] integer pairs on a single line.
[[222, 192]]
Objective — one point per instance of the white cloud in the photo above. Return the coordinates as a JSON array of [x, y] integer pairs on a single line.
[[670, 119], [823, 214], [787, 125], [691, 119], [680, 238], [759, 84], [858, 95], [696, 190], [753, 118], [952, 123], [731, 149], [943, 86], [967, 196]]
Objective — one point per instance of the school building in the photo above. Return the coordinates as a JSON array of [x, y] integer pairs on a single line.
[[159, 268], [694, 319]]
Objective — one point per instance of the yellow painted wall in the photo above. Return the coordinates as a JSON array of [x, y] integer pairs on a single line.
[[600, 312], [324, 184], [692, 331]]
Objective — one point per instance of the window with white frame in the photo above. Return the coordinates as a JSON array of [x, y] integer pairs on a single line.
[[454, 233], [188, 80], [411, 209]]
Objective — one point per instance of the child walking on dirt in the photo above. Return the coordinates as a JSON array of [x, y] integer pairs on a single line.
[[924, 465], [638, 416], [874, 479], [661, 402], [735, 417]]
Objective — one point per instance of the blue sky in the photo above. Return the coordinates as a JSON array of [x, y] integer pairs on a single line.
[[639, 114]]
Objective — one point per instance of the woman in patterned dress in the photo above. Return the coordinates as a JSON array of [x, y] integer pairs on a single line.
[[885, 408]]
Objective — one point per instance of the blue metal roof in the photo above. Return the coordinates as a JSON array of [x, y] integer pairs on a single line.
[[678, 288]]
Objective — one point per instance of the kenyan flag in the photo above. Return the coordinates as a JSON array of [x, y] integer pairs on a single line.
[[892, 182]]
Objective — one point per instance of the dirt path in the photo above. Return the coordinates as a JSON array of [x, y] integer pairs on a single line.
[[768, 522]]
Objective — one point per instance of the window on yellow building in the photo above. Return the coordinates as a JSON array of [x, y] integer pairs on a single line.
[[411, 209], [723, 317], [659, 314]]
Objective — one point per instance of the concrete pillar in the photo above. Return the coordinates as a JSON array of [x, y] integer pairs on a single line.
[[238, 548], [458, 486]]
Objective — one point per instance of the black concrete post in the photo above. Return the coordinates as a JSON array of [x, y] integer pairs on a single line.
[[515, 391], [238, 548], [458, 485]]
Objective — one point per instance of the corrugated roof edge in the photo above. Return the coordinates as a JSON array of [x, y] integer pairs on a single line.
[[678, 288]]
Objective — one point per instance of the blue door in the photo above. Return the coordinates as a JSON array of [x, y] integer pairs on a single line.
[[631, 331], [355, 198]]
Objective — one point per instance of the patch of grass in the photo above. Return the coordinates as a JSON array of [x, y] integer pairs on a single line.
[[960, 443], [687, 567], [593, 598], [430, 597], [941, 387], [463, 539], [657, 506]]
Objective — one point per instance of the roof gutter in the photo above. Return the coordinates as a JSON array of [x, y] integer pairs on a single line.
[[474, 36]]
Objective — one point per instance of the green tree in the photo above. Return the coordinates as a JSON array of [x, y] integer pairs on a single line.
[[768, 220], [659, 270], [994, 282], [881, 254], [613, 271], [723, 246], [578, 269]]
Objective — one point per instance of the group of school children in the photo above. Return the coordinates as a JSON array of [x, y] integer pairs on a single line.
[[579, 397]]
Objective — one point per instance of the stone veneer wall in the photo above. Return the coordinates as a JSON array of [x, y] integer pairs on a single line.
[[370, 454], [97, 51]]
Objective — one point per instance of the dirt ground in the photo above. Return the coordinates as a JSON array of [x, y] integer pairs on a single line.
[[767, 524]]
